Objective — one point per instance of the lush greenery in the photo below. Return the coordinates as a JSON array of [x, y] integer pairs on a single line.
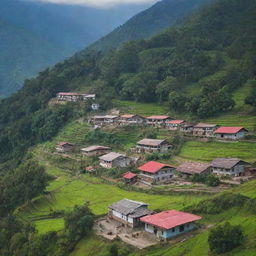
[[209, 180], [149, 22], [35, 36], [225, 238]]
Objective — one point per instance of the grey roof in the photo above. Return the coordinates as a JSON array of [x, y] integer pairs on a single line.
[[105, 117], [151, 142], [126, 206], [204, 125], [226, 163], [94, 148], [192, 167], [111, 156], [140, 212]]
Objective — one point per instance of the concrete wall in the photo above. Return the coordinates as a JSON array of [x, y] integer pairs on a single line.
[[237, 136], [166, 234], [237, 170]]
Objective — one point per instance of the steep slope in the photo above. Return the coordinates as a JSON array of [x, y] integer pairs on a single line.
[[35, 35], [149, 22], [213, 49]]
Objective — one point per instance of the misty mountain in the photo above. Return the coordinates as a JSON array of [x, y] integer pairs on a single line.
[[36, 35]]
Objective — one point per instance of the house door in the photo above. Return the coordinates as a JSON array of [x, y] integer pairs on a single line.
[[155, 231]]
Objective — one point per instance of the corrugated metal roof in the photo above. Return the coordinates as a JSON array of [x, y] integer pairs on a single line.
[[175, 122], [153, 167], [192, 167], [129, 175], [170, 219], [94, 148], [157, 117], [229, 130], [204, 125], [151, 142], [126, 206], [226, 163], [111, 156]]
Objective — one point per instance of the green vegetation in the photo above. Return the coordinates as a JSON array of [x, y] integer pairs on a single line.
[[225, 238], [207, 151]]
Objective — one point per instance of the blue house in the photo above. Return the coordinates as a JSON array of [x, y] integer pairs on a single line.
[[169, 224]]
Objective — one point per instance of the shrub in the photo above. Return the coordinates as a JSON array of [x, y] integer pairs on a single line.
[[225, 238]]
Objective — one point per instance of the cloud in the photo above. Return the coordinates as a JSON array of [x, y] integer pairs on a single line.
[[97, 3]]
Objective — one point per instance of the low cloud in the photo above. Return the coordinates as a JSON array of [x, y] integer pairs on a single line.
[[97, 3]]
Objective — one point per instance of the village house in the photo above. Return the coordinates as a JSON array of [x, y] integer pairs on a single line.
[[229, 167], [154, 172], [115, 160], [203, 129], [73, 96], [158, 120], [129, 177], [95, 150], [168, 224], [106, 119], [187, 128], [131, 119], [64, 147], [175, 124], [187, 169], [128, 212], [152, 145], [231, 133]]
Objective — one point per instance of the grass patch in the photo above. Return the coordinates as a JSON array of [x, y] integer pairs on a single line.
[[207, 151]]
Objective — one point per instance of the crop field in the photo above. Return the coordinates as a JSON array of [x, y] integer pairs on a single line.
[[67, 191], [207, 151]]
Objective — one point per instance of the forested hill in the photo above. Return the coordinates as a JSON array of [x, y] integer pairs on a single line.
[[36, 35], [213, 50], [149, 22]]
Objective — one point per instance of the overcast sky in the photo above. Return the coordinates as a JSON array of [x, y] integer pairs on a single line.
[[98, 3]]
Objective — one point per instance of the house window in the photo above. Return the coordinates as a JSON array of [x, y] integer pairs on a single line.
[[173, 229], [181, 228]]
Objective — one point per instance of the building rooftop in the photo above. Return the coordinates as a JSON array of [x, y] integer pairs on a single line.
[[170, 219], [129, 175], [151, 142], [127, 116], [204, 125], [175, 122], [105, 117], [229, 130], [111, 156], [192, 167], [126, 206], [226, 163], [64, 143], [157, 117], [153, 167], [94, 148]]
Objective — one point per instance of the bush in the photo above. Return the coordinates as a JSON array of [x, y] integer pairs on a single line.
[[209, 180], [225, 238]]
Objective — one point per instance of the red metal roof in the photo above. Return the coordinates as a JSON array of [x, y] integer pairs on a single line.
[[129, 175], [153, 167], [175, 122], [229, 130], [169, 219], [158, 117]]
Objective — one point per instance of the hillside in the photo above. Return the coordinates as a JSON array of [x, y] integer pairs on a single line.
[[35, 36], [199, 74], [148, 23]]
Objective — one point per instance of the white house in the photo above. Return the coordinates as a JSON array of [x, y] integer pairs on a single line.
[[115, 160], [168, 224], [175, 124], [128, 212], [231, 133], [229, 166], [154, 172]]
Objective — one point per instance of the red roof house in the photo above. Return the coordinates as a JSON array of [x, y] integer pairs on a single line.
[[154, 172], [158, 120], [129, 177], [229, 132], [175, 124], [168, 224]]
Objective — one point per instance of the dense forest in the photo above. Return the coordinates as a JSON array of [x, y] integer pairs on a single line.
[[36, 35], [149, 22], [213, 48]]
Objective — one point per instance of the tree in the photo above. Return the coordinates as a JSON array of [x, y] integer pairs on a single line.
[[225, 237]]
